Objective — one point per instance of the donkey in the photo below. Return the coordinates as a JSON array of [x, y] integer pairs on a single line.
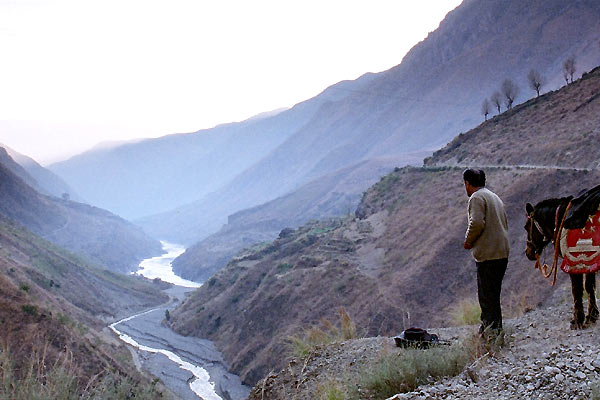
[[541, 227]]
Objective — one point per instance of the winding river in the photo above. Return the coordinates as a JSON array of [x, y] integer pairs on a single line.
[[160, 267], [191, 368]]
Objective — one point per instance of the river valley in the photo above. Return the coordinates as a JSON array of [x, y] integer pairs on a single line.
[[190, 367]]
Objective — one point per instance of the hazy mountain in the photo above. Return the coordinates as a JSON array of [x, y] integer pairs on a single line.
[[99, 235], [155, 175], [18, 170], [435, 93], [402, 255], [44, 180]]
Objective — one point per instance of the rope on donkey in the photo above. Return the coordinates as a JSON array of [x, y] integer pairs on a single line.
[[545, 269]]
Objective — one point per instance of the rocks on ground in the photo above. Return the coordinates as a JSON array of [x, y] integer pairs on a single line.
[[542, 359]]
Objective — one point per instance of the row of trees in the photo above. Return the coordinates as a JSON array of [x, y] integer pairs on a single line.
[[509, 90], [507, 95]]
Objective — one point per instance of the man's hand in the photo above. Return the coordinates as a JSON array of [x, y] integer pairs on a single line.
[[468, 246]]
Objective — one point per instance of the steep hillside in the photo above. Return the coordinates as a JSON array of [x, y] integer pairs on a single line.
[[404, 256], [420, 104], [49, 304], [29, 259], [334, 194], [550, 130], [99, 235], [401, 256], [44, 180]]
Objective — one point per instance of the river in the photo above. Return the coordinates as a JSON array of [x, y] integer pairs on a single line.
[[190, 367]]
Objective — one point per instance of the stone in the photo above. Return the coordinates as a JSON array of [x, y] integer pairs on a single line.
[[552, 370], [589, 366]]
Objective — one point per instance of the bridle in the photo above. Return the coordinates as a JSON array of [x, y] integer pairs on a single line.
[[546, 270], [535, 224]]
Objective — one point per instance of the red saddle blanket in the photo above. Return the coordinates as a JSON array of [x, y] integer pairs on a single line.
[[581, 247]]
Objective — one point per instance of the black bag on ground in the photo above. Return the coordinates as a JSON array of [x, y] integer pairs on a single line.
[[416, 337]]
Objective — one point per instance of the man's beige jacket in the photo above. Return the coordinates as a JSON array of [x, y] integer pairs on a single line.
[[488, 228]]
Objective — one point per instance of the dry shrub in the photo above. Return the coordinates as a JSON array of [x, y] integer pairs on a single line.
[[400, 371], [466, 312], [315, 337], [37, 378], [331, 390]]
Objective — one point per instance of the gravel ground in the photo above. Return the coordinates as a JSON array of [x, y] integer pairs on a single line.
[[542, 359]]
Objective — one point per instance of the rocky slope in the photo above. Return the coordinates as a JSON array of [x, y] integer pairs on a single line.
[[418, 105], [335, 194], [542, 359], [102, 237], [402, 255]]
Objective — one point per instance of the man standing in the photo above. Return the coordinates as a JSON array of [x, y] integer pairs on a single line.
[[487, 237]]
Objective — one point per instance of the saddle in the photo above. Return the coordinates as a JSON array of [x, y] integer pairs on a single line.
[[580, 246], [582, 207]]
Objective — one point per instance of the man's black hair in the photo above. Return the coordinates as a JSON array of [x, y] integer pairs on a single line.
[[475, 177]]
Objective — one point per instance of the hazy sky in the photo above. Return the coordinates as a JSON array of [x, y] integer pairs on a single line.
[[76, 72]]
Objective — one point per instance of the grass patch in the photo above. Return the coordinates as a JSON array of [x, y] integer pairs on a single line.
[[30, 309], [401, 371], [467, 312], [284, 267], [331, 390], [316, 337], [40, 380]]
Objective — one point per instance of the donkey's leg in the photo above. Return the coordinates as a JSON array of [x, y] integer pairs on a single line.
[[590, 288], [577, 291]]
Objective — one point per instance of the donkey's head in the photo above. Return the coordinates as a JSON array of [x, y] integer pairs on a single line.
[[536, 237], [540, 224]]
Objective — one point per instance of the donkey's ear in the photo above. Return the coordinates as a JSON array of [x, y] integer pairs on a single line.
[[529, 208]]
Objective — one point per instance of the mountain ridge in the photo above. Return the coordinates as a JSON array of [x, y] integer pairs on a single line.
[[92, 232], [420, 104]]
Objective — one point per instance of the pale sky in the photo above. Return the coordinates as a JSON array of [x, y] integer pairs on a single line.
[[74, 73]]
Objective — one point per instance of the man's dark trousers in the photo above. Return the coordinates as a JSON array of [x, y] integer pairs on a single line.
[[489, 285]]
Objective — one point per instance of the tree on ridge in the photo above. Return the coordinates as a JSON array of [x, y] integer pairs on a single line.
[[536, 80], [569, 69], [485, 108], [510, 90], [496, 100]]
